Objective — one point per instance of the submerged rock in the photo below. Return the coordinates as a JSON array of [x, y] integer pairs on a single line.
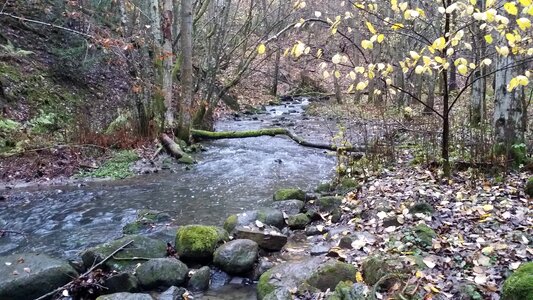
[[125, 296], [306, 275], [29, 276], [519, 286], [200, 279], [141, 247], [290, 207], [198, 241], [268, 238], [237, 256], [161, 272], [289, 194]]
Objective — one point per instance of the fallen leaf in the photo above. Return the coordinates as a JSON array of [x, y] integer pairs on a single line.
[[430, 261], [480, 279]]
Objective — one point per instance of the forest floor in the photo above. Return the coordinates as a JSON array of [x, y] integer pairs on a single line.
[[457, 236]]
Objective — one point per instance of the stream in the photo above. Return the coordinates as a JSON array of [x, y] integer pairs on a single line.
[[231, 176]]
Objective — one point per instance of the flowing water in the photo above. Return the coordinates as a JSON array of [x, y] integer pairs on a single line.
[[232, 175]]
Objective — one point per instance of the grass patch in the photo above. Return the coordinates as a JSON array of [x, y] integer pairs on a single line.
[[117, 167]]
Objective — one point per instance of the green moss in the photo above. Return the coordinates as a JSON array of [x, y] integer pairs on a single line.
[[373, 269], [529, 187], [118, 167], [230, 223], [346, 290], [328, 203], [132, 228], [347, 183], [289, 194], [263, 285], [519, 286], [424, 235], [198, 241], [329, 275], [470, 292], [323, 188], [421, 207], [298, 221]]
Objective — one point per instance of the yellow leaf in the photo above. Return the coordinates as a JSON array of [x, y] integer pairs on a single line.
[[525, 3], [353, 75], [503, 51], [488, 39], [419, 69], [473, 2], [319, 53], [261, 49], [462, 69], [397, 26], [426, 60], [350, 89], [361, 85], [419, 274], [488, 207], [370, 28], [510, 37], [523, 23], [325, 74], [358, 277], [366, 44], [337, 74], [403, 6], [523, 80], [414, 55], [490, 3], [511, 8], [439, 43], [359, 70], [381, 37]]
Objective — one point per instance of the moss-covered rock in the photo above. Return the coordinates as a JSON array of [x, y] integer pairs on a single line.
[[142, 246], [230, 223], [328, 204], [347, 184], [264, 287], [271, 216], [324, 187], [519, 286], [374, 268], [424, 235], [421, 208], [328, 275], [289, 194], [529, 187], [198, 241], [237, 256], [347, 290], [298, 221]]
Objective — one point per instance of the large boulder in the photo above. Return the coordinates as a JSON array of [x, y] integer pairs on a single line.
[[290, 207], [161, 272], [289, 194], [271, 216], [140, 247], [29, 276], [268, 238], [198, 242], [237, 256], [125, 296], [310, 273], [519, 286], [121, 282], [328, 204]]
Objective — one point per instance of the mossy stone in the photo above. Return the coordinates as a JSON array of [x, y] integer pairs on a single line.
[[271, 216], [421, 208], [347, 290], [199, 241], [264, 287], [373, 269], [323, 187], [298, 221], [289, 194], [519, 286], [329, 275], [529, 187], [230, 223], [424, 235], [348, 184], [328, 204]]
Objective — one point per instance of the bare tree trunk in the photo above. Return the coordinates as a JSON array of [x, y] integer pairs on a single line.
[[168, 19], [430, 101], [508, 110], [186, 71], [275, 77]]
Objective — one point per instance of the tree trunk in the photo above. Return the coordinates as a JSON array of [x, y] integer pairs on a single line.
[[168, 19], [508, 110], [477, 99], [338, 95], [186, 71], [275, 77]]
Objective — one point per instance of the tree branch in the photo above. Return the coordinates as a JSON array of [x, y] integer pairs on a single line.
[[46, 24]]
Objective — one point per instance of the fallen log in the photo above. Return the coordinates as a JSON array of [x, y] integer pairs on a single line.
[[212, 135], [175, 150]]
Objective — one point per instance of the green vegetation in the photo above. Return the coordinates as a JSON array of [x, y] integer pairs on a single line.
[[289, 194], [519, 286], [117, 167], [424, 235], [263, 285], [198, 241]]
